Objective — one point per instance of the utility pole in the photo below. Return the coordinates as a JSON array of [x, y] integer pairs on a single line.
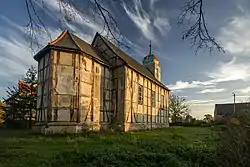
[[234, 101]]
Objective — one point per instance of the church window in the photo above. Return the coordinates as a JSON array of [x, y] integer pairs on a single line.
[[157, 73], [162, 101], [153, 98], [140, 94]]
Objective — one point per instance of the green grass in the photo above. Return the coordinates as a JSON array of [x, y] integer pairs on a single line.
[[176, 146]]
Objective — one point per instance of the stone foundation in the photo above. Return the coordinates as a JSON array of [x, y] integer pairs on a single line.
[[143, 126], [63, 127], [69, 127]]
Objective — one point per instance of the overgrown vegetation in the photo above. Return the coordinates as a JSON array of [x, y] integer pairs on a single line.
[[233, 148], [219, 145], [175, 146]]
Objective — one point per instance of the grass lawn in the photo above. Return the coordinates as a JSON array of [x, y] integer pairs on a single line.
[[175, 146]]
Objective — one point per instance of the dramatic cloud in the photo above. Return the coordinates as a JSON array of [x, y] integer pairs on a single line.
[[15, 55], [179, 85], [235, 36], [222, 73], [212, 90], [162, 24], [245, 90], [199, 102], [147, 22], [230, 71], [78, 22]]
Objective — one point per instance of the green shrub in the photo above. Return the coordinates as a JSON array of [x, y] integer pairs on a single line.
[[233, 147], [196, 123], [173, 147], [173, 156]]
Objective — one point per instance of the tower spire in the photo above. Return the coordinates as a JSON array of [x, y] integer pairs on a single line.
[[150, 48]]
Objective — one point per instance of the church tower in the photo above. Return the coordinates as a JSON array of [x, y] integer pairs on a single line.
[[151, 62]]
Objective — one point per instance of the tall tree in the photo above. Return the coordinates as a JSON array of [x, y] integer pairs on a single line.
[[30, 80], [2, 113], [178, 108], [21, 99], [192, 12], [14, 107], [208, 118], [188, 118]]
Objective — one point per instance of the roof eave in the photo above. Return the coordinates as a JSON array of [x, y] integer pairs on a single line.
[[38, 55], [163, 86]]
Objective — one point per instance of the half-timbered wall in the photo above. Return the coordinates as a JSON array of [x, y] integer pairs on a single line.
[[80, 92], [95, 92], [78, 89], [117, 80], [65, 89], [43, 93], [144, 114]]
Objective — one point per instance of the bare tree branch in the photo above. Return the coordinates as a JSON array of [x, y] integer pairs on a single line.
[[69, 10], [35, 24], [197, 33]]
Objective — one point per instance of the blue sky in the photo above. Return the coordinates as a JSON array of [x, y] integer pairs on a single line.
[[203, 79]]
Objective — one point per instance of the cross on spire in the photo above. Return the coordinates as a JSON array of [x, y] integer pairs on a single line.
[[150, 48]]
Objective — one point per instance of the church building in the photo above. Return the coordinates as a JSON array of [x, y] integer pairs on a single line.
[[97, 86]]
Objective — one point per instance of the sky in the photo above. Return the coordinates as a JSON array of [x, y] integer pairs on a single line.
[[203, 79]]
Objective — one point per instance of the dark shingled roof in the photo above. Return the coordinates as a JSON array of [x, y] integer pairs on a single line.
[[70, 41], [65, 40], [132, 62], [87, 48], [228, 109]]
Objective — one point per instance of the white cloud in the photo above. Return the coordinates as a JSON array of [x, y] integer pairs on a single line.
[[222, 73], [241, 8], [182, 85], [152, 2], [245, 90], [230, 71], [235, 37], [15, 55], [199, 102], [179, 85], [147, 22], [215, 90], [85, 25], [162, 24], [198, 111], [141, 19]]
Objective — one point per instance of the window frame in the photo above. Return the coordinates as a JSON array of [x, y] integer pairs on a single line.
[[162, 101], [157, 73], [140, 94], [153, 99]]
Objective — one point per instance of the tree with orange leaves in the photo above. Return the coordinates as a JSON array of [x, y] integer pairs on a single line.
[[21, 100], [1, 112]]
